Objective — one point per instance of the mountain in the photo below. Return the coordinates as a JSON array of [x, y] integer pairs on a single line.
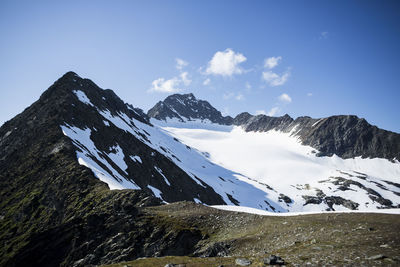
[[61, 156], [339, 162], [186, 107], [347, 136]]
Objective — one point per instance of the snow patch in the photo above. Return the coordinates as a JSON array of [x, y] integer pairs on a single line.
[[82, 97], [136, 159], [160, 172], [156, 192], [267, 213]]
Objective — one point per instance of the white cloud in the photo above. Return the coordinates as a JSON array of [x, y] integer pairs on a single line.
[[309, 94], [285, 98], [248, 86], [165, 86], [274, 79], [206, 81], [273, 111], [184, 78], [180, 63], [225, 63], [261, 112], [272, 62]]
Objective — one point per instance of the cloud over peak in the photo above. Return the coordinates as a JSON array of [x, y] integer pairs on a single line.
[[226, 63], [165, 86]]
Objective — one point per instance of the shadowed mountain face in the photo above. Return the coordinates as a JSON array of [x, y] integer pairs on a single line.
[[346, 136], [54, 211]]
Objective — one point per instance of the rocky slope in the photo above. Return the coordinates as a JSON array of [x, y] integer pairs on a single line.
[[328, 239], [55, 211]]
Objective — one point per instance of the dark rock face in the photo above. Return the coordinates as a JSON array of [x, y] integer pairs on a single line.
[[54, 211], [263, 123], [350, 136], [345, 136], [185, 108]]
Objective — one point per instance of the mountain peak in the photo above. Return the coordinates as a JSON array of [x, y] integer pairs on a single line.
[[186, 107]]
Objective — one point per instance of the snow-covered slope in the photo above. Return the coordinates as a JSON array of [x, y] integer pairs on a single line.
[[112, 165], [206, 160], [302, 181]]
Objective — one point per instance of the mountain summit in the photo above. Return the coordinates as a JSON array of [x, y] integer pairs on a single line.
[[186, 107]]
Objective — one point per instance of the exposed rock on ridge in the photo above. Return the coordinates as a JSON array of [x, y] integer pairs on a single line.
[[347, 136], [186, 107]]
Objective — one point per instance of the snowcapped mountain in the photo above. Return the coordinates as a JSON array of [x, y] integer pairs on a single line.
[[334, 163], [186, 107], [189, 151]]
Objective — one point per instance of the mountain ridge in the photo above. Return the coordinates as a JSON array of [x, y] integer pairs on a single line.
[[347, 136], [60, 157]]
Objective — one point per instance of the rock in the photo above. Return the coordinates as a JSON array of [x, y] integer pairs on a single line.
[[243, 262], [384, 246], [186, 107], [274, 260], [218, 249], [377, 257]]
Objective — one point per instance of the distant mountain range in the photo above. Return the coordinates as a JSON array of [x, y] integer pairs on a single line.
[[60, 155], [346, 136]]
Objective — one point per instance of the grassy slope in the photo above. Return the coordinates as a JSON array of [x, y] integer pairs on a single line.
[[332, 239]]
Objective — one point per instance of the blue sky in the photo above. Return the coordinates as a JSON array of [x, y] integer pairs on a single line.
[[315, 58]]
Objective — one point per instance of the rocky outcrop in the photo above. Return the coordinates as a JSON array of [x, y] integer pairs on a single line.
[[186, 107], [346, 136]]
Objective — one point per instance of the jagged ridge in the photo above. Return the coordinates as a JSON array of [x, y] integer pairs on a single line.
[[346, 135]]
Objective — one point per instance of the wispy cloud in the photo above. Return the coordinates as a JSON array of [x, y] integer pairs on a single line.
[[309, 94], [226, 63], [184, 78], [180, 63], [285, 98], [273, 79], [273, 111], [239, 97], [248, 86], [323, 35], [206, 81], [272, 62], [232, 95]]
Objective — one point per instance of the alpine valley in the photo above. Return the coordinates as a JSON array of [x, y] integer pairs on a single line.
[[86, 180]]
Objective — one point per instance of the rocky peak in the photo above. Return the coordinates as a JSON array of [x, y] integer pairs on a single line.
[[186, 107]]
